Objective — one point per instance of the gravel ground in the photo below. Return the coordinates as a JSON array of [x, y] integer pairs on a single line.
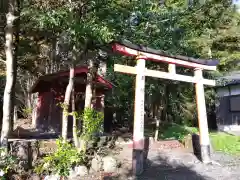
[[180, 165]]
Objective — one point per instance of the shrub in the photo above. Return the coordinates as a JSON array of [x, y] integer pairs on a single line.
[[7, 163], [27, 112], [61, 162], [92, 123]]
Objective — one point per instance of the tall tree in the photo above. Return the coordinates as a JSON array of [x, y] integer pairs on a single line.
[[13, 7]]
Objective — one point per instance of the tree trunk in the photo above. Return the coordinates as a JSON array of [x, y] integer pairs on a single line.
[[15, 116], [75, 129], [88, 99], [34, 110], [164, 114], [102, 71], [157, 121], [93, 68], [10, 75], [157, 117], [89, 88], [66, 103], [29, 95]]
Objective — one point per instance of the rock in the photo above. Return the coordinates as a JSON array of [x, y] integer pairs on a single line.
[[52, 177], [91, 171], [22, 150], [97, 164], [27, 153], [81, 170], [35, 177], [72, 175], [110, 164], [102, 141], [188, 143], [35, 152]]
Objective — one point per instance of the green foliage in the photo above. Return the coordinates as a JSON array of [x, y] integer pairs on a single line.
[[225, 143], [206, 30], [7, 163], [61, 162], [177, 132], [209, 30], [27, 112], [92, 123], [221, 142]]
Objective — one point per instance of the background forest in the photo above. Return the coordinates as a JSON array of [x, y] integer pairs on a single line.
[[39, 37], [49, 36]]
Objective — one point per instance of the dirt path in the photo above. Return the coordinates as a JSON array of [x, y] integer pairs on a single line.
[[180, 165]]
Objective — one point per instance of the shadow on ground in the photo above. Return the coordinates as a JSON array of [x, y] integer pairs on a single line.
[[161, 168]]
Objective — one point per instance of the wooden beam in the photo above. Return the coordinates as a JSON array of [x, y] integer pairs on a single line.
[[157, 58], [202, 119], [163, 75]]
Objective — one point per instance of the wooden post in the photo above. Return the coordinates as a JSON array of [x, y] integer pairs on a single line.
[[138, 131], [172, 68], [102, 110], [202, 118]]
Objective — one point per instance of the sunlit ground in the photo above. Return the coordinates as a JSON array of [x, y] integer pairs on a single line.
[[221, 141]]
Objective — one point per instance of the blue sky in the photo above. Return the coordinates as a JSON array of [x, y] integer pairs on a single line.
[[236, 1]]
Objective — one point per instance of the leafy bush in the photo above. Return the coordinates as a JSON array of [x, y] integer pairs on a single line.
[[61, 162], [27, 112], [7, 163], [92, 123]]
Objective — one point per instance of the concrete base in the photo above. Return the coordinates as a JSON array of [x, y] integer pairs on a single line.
[[205, 154], [138, 162]]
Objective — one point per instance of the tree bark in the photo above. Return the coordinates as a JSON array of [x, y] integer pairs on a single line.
[[89, 86], [102, 71], [157, 120], [15, 116], [34, 110], [67, 102], [164, 114], [91, 75], [10, 74], [75, 129]]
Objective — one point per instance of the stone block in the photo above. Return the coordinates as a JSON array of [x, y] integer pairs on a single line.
[[81, 170], [97, 164], [110, 164]]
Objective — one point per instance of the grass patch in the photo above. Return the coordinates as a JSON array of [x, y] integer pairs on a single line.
[[226, 143], [178, 132], [221, 141]]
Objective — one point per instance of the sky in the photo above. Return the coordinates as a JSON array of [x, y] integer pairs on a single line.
[[236, 2]]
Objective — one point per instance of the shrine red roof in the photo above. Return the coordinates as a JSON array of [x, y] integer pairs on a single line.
[[79, 71], [127, 48]]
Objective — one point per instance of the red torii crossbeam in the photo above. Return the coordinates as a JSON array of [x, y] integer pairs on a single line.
[[142, 54]]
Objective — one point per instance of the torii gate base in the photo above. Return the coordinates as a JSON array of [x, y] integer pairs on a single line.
[[139, 154]]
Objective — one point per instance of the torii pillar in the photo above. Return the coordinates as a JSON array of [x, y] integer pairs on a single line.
[[138, 128], [202, 117]]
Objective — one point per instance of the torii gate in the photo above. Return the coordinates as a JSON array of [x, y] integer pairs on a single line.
[[144, 53]]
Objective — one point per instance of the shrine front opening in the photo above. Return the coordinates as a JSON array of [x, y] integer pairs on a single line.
[[142, 54]]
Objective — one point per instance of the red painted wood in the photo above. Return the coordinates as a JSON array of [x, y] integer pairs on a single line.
[[55, 95], [157, 58]]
